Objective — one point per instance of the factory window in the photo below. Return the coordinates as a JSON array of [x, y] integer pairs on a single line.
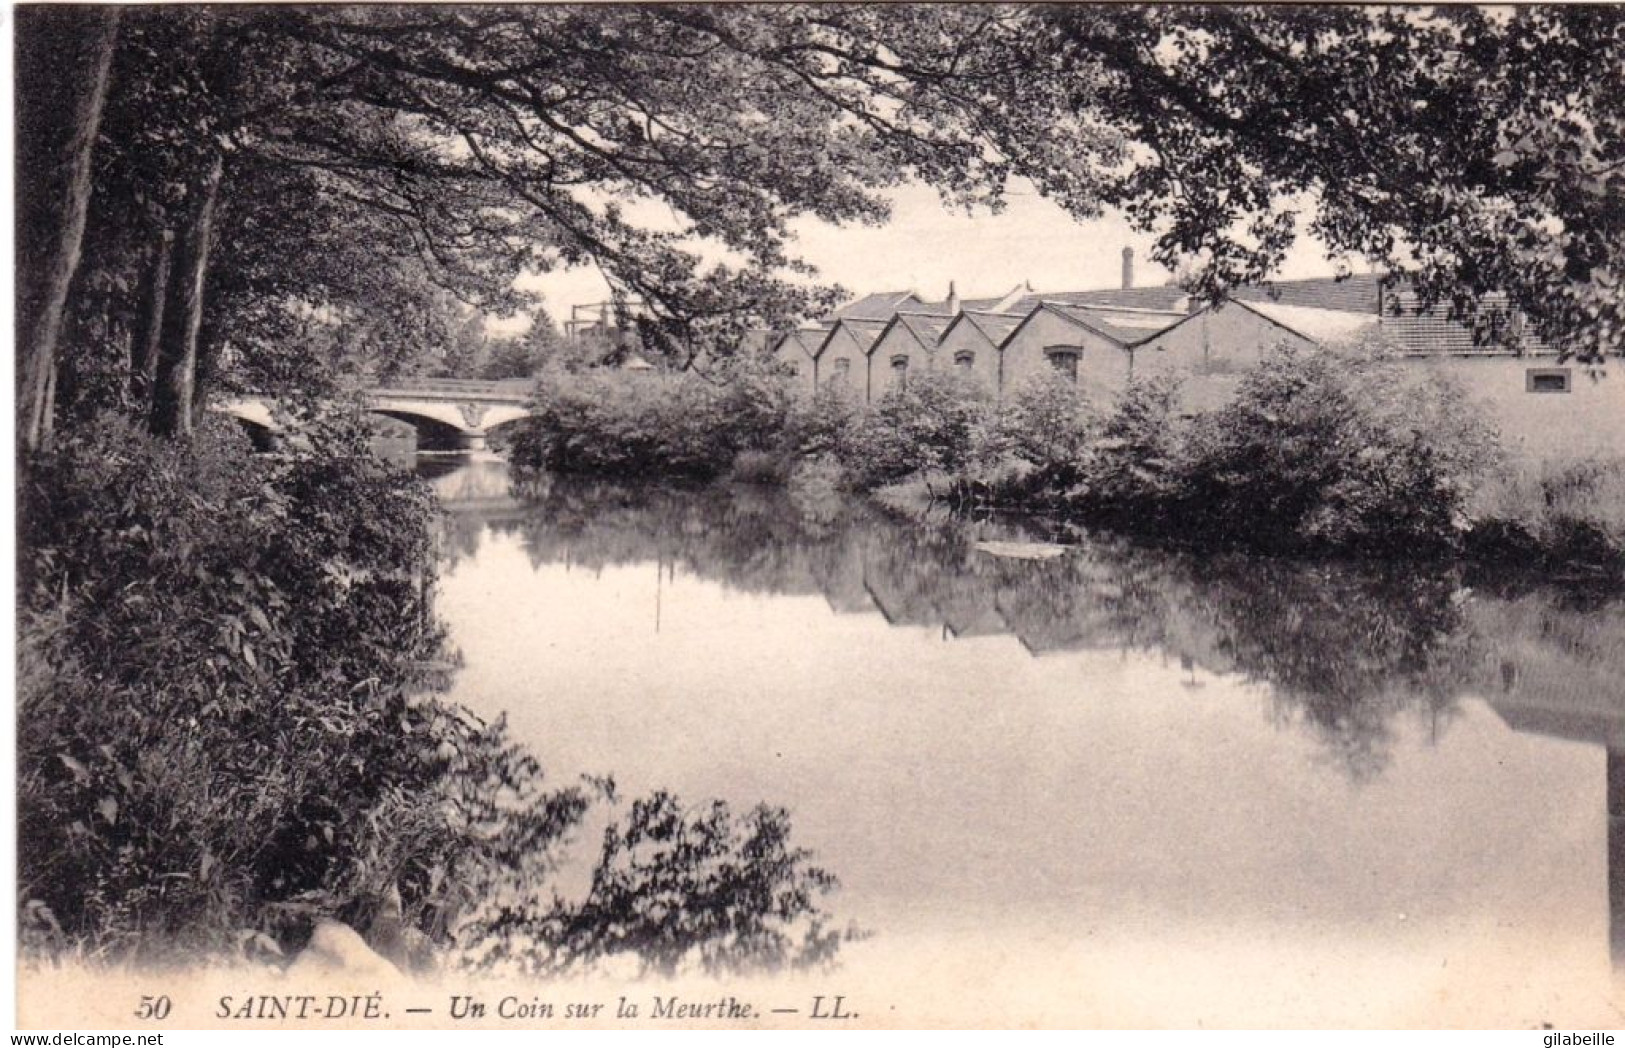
[[1547, 380], [1064, 359], [842, 366], [965, 359], [899, 370]]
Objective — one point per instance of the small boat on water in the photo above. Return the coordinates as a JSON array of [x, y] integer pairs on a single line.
[[1022, 550]]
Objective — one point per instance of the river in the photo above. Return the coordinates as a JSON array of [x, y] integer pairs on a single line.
[[1117, 786]]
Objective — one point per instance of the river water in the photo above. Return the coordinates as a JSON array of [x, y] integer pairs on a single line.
[[1117, 786]]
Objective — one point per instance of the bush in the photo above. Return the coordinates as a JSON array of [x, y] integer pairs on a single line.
[[1328, 450], [680, 890], [226, 729], [651, 423], [932, 424], [221, 729], [758, 467], [1048, 424], [1133, 464], [816, 485], [823, 425]]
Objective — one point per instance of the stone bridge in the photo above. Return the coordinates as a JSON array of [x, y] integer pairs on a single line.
[[455, 414]]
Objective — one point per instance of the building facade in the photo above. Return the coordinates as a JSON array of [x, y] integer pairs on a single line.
[[906, 346], [1544, 408], [843, 358], [797, 354], [973, 345]]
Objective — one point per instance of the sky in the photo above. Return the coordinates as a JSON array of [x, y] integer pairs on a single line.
[[925, 246]]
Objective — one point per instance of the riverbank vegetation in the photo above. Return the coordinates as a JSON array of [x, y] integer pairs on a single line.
[[1331, 453], [228, 727]]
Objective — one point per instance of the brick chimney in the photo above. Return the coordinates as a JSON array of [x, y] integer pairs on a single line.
[[1128, 267], [953, 299]]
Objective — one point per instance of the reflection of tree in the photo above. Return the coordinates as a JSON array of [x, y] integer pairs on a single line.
[[458, 537], [1345, 651], [681, 888]]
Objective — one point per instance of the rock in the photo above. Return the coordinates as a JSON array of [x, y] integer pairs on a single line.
[[337, 949]]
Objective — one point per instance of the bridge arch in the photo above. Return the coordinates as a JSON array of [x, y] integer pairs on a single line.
[[502, 429], [434, 432]]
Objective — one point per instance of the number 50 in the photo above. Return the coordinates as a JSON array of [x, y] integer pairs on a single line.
[[153, 1008]]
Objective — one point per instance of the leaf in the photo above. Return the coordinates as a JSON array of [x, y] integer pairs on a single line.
[[248, 655], [107, 807], [81, 774]]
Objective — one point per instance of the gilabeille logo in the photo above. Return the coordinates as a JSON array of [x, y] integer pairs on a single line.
[[1552, 1040]]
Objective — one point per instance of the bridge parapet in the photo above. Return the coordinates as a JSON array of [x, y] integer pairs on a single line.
[[507, 391]]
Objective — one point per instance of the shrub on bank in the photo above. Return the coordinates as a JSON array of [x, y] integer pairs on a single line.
[[227, 728], [1047, 423], [651, 423], [678, 888], [934, 423], [823, 426], [1569, 513], [1133, 466], [1318, 451], [220, 727], [1323, 450]]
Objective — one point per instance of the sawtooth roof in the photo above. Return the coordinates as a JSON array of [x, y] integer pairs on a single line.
[[927, 327], [995, 327], [1121, 325], [1160, 297], [880, 305], [864, 332], [806, 339]]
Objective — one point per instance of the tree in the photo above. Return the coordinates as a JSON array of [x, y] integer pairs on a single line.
[[1473, 150], [466, 355], [256, 167], [63, 58], [524, 356]]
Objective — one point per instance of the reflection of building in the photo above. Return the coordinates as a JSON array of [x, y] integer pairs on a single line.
[[1343, 651], [1563, 676]]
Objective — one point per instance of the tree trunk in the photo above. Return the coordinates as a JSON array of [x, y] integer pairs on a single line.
[[64, 56], [203, 375], [48, 415], [150, 328], [176, 385]]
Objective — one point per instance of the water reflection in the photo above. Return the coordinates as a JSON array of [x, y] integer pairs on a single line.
[[1366, 668], [1344, 650]]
